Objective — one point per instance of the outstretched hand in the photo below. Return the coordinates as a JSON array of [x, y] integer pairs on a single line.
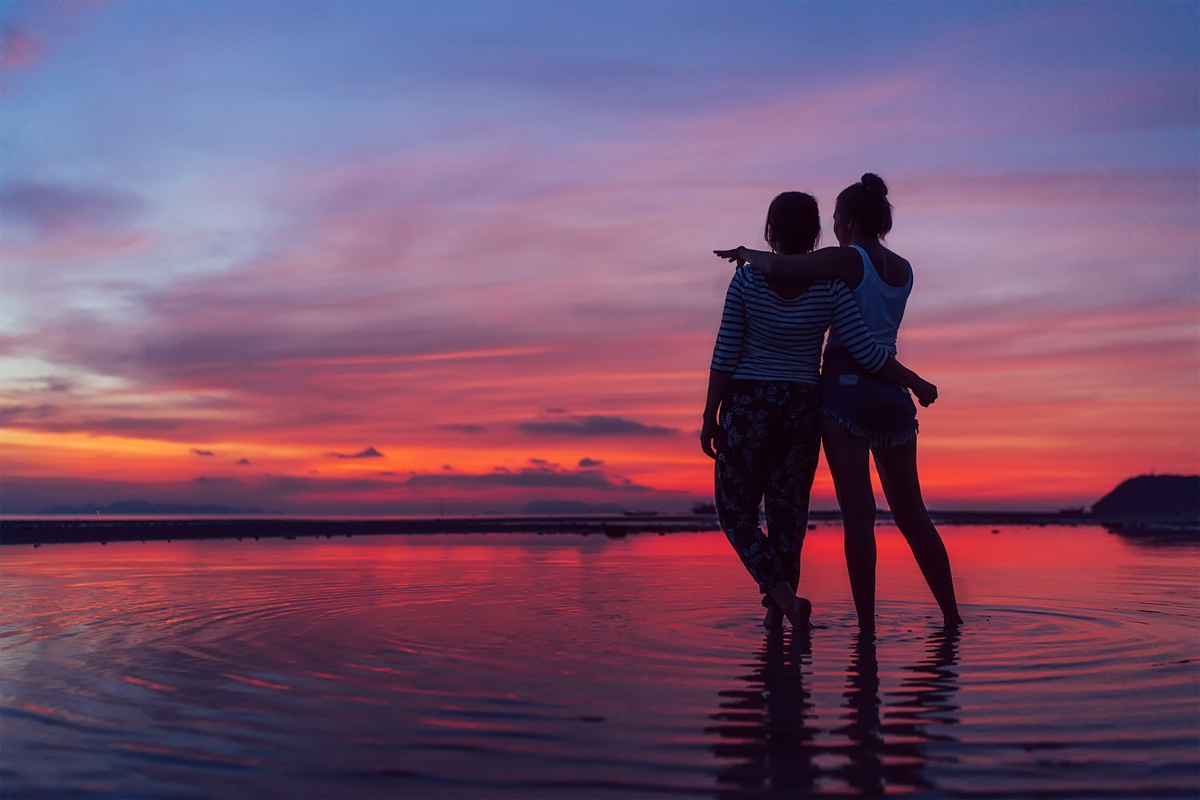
[[925, 391], [734, 255]]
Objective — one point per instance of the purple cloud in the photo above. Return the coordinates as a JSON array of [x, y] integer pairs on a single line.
[[540, 477], [461, 428], [370, 452], [596, 425], [56, 208]]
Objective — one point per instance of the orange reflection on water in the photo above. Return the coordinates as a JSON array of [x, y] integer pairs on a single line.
[[121, 578]]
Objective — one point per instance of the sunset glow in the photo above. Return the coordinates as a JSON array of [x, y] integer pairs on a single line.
[[396, 258]]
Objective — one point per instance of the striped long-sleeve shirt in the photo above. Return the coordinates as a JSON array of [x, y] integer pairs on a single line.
[[765, 337]]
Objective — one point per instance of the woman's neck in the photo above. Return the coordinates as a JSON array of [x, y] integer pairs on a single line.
[[788, 288], [866, 242]]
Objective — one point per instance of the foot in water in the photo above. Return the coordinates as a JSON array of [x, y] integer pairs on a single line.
[[799, 614], [798, 610], [773, 621]]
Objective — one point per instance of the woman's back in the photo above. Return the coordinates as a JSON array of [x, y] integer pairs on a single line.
[[764, 336], [880, 300]]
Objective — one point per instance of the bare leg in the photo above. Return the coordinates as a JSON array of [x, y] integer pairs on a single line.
[[898, 473], [849, 464]]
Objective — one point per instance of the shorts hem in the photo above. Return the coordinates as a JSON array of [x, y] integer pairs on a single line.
[[881, 441]]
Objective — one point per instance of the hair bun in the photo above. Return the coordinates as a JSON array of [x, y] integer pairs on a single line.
[[874, 184]]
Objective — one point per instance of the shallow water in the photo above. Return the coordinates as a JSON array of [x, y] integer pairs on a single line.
[[570, 666]]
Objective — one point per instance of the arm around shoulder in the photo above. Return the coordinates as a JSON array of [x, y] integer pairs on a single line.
[[843, 263]]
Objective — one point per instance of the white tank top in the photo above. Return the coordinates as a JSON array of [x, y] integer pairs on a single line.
[[881, 305]]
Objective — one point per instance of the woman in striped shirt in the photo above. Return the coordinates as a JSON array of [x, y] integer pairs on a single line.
[[763, 410]]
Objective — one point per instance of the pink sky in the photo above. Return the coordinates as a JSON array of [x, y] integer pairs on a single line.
[[243, 246]]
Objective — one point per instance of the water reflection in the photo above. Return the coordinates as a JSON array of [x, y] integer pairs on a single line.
[[555, 667], [1160, 535], [890, 751], [764, 724], [864, 767], [767, 725]]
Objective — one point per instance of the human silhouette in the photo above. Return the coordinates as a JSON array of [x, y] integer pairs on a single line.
[[866, 414], [762, 416]]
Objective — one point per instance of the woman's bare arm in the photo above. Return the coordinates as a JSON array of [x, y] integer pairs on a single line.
[[828, 262], [925, 391], [717, 381]]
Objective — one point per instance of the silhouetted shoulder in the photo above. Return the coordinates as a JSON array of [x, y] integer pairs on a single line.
[[896, 271]]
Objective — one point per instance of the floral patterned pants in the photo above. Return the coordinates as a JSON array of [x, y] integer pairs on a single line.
[[767, 450]]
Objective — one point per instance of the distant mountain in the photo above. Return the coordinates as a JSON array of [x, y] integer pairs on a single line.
[[1152, 497], [142, 507]]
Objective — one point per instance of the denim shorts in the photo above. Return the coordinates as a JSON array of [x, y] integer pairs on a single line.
[[866, 404]]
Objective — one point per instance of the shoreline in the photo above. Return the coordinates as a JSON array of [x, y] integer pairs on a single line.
[[131, 528]]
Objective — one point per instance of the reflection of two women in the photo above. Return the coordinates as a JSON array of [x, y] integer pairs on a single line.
[[771, 400], [772, 736], [889, 750]]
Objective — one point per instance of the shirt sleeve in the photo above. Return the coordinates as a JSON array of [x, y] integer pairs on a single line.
[[852, 332], [728, 349]]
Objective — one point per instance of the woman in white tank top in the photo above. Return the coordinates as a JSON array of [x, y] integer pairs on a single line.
[[865, 415]]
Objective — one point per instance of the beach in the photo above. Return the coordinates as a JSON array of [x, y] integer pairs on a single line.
[[525, 665]]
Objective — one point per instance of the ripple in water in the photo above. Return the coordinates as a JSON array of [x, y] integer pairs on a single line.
[[518, 666]]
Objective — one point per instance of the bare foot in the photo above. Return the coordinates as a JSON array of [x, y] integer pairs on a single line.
[[799, 614], [796, 609], [773, 621]]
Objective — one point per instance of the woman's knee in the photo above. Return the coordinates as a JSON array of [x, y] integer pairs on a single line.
[[923, 539], [913, 520], [859, 515], [859, 530]]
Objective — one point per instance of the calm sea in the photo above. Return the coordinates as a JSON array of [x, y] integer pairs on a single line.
[[580, 666]]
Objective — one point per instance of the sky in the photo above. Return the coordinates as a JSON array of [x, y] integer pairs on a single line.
[[423, 258]]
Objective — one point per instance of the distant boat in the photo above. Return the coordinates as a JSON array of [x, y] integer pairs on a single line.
[[640, 513], [704, 508]]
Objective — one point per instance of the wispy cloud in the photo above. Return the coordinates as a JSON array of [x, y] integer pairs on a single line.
[[370, 452], [531, 477], [57, 208], [18, 49], [596, 425], [463, 428]]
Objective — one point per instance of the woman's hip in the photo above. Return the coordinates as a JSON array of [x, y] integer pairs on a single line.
[[866, 404]]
